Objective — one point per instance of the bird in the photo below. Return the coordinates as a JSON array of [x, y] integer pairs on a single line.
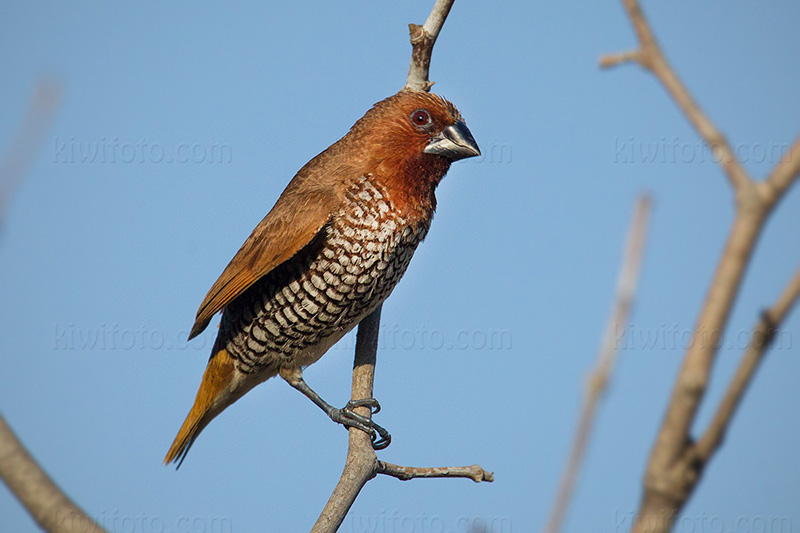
[[328, 253]]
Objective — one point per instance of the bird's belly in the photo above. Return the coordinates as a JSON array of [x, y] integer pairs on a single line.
[[293, 315]]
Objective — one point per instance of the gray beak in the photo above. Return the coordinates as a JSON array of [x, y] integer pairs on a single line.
[[454, 142]]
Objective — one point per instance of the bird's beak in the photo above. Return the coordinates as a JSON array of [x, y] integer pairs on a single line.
[[454, 142]]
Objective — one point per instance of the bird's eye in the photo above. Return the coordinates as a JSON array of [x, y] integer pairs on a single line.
[[420, 118]]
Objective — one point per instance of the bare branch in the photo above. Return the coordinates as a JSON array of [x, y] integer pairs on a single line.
[[361, 461], [620, 58], [422, 40], [675, 463], [599, 378], [475, 472], [41, 497], [695, 372], [762, 338], [650, 57], [51, 508], [673, 469], [362, 464]]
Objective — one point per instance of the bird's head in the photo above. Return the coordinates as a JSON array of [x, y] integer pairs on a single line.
[[413, 123], [410, 139]]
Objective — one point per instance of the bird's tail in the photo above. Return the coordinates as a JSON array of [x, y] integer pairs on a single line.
[[210, 401]]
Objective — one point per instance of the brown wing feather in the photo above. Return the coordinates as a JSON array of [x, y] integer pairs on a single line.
[[305, 206]]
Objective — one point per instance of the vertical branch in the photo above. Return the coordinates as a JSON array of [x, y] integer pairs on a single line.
[[361, 462], [49, 507], [600, 376], [422, 40]]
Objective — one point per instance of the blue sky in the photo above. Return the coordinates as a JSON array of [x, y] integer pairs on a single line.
[[488, 338]]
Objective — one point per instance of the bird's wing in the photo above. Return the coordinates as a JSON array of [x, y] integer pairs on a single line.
[[300, 213]]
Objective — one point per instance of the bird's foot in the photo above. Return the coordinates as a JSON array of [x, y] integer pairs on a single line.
[[345, 416], [350, 419]]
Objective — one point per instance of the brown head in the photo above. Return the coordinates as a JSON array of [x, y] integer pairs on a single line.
[[409, 141]]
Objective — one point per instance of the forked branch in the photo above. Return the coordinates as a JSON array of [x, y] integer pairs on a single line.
[[362, 463], [676, 462], [650, 57], [762, 337]]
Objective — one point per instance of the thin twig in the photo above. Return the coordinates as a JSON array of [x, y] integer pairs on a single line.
[[760, 341], [475, 472], [47, 504], [599, 378], [620, 58], [422, 40]]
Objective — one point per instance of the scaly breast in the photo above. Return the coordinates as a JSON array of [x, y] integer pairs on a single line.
[[292, 315]]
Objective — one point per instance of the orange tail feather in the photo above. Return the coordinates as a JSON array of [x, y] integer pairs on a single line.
[[216, 379]]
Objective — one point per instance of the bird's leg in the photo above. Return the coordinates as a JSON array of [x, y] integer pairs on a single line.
[[346, 415]]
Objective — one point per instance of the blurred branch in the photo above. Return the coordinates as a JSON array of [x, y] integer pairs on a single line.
[[600, 376], [650, 57], [761, 339], [51, 508], [422, 40], [782, 176], [24, 147], [676, 462], [41, 497]]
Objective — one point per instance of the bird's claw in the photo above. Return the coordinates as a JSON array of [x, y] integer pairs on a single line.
[[350, 419], [382, 440], [372, 403]]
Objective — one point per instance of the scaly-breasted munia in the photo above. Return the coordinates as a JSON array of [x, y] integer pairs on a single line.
[[329, 252]]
